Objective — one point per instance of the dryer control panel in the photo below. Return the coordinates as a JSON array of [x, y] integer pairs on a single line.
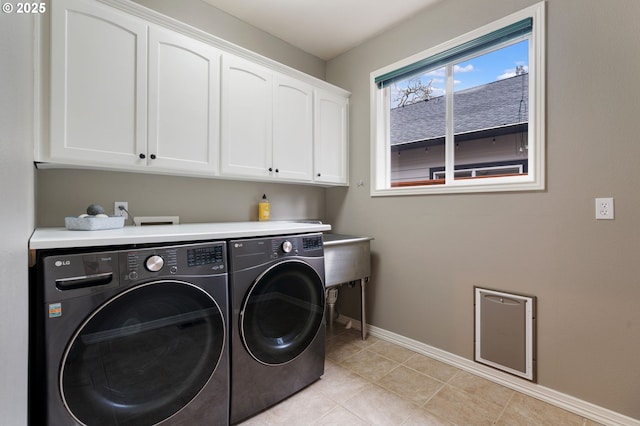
[[296, 245], [313, 242], [247, 253]]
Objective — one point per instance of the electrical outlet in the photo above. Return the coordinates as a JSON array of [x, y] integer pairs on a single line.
[[604, 208], [119, 212]]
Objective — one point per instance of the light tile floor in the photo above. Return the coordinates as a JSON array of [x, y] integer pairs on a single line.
[[374, 382]]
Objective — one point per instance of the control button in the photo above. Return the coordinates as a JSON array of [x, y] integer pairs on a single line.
[[154, 263], [287, 246], [133, 275], [173, 269]]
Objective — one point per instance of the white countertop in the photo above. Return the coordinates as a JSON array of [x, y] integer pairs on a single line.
[[52, 238]]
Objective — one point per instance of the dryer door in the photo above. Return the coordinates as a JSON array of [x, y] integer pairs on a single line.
[[143, 355], [282, 312]]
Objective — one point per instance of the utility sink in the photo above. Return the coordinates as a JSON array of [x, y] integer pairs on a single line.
[[347, 258]]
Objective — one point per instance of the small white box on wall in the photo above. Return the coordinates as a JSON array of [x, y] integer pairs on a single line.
[[156, 220]]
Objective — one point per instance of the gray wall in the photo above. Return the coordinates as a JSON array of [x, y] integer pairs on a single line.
[[429, 251], [195, 200], [16, 209]]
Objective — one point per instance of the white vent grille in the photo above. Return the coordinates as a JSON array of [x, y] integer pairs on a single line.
[[505, 331]]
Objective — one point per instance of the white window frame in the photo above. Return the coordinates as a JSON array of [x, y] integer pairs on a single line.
[[473, 171], [380, 119]]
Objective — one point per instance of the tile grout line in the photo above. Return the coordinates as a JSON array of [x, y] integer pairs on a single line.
[[504, 408]]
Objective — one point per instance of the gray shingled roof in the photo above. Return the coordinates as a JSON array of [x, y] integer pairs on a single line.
[[493, 105]]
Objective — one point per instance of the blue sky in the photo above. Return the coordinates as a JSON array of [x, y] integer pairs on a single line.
[[480, 70]]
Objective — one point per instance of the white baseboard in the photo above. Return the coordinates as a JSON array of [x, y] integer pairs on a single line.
[[553, 397]]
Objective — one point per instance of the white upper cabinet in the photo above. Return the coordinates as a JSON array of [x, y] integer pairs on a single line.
[[98, 84], [131, 89], [111, 107], [267, 123], [184, 75], [246, 111], [292, 129], [331, 153]]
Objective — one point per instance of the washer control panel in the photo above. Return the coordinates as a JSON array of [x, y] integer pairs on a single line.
[[205, 255], [183, 260], [286, 246]]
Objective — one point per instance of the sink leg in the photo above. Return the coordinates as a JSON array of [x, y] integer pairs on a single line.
[[363, 317], [331, 295], [331, 312]]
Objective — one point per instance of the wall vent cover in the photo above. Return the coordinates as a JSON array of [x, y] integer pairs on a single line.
[[505, 331]]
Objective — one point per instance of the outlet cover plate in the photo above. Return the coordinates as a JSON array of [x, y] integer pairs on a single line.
[[118, 212], [604, 208]]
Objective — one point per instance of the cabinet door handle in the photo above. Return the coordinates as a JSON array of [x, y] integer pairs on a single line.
[[319, 174], [153, 156], [142, 156], [270, 169], [277, 171]]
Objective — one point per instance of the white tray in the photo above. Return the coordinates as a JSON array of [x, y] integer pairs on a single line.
[[91, 223]]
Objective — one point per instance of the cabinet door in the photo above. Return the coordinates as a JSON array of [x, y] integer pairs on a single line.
[[184, 77], [292, 129], [247, 111], [98, 84], [330, 138]]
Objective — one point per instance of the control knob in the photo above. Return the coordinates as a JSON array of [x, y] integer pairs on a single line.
[[287, 246], [154, 263]]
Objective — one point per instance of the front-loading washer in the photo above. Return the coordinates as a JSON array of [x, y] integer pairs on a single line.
[[277, 328], [131, 336]]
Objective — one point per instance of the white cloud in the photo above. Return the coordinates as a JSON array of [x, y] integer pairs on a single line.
[[466, 68], [437, 91], [440, 72], [510, 73], [507, 74]]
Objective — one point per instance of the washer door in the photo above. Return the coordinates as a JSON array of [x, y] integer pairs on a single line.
[[143, 355], [282, 312]]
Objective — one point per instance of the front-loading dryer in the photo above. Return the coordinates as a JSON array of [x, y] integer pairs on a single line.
[[133, 336], [277, 328]]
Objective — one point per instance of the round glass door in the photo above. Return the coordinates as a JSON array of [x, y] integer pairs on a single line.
[[282, 312], [143, 355]]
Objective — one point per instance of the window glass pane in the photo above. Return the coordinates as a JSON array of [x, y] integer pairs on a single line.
[[417, 129], [467, 109], [490, 113]]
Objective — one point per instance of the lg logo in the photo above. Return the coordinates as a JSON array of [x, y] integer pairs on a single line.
[[62, 263]]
